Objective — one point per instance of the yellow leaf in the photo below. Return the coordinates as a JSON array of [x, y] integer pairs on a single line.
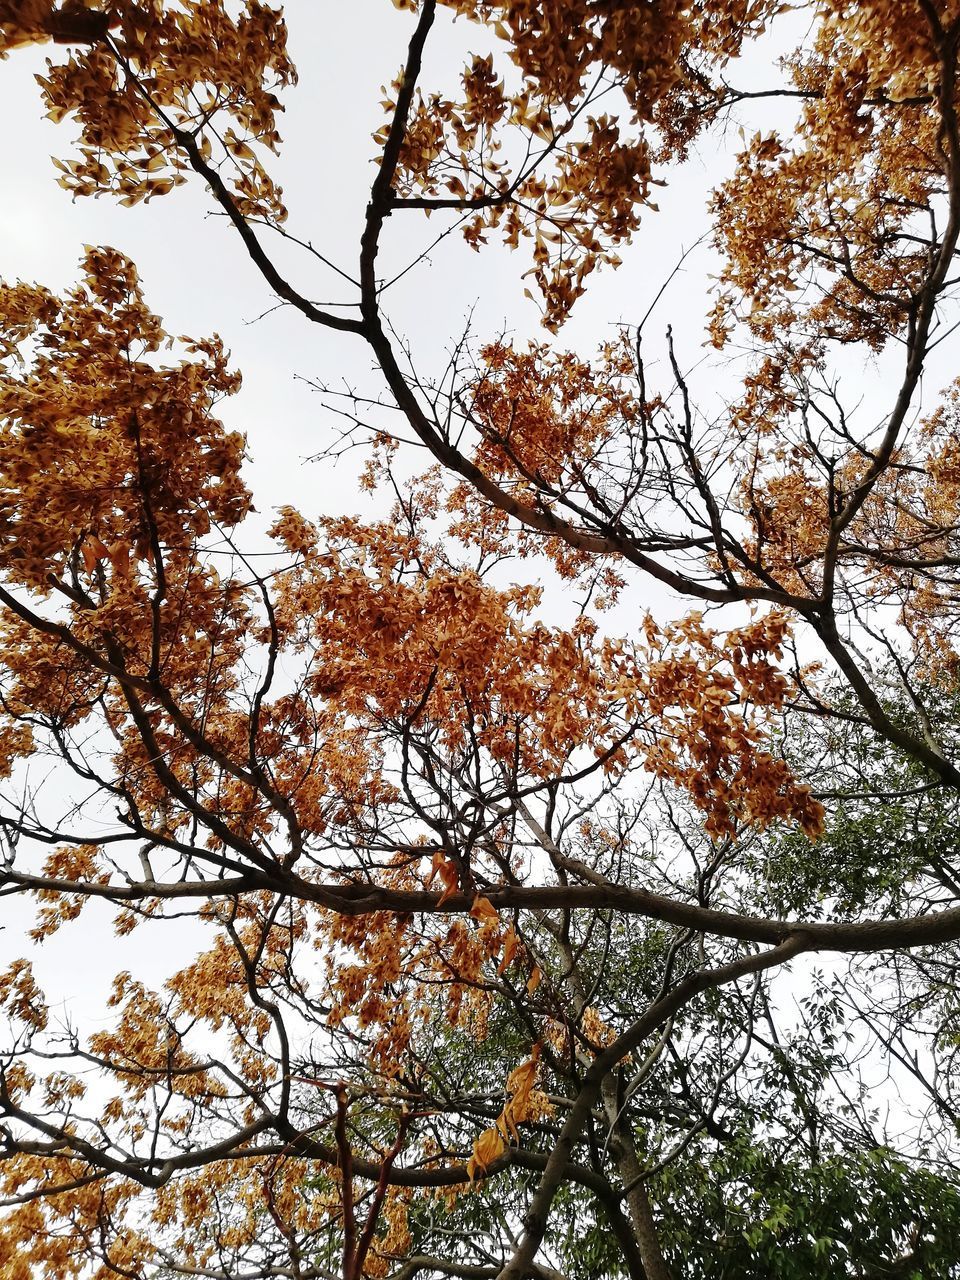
[[486, 1149], [89, 557], [92, 550], [509, 950], [484, 911], [451, 882], [447, 873], [120, 559]]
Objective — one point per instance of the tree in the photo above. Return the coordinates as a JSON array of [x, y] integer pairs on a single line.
[[486, 910]]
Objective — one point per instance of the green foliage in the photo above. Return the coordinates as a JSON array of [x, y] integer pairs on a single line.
[[893, 832], [775, 1216]]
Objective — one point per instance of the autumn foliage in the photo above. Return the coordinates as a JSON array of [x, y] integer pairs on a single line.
[[481, 909]]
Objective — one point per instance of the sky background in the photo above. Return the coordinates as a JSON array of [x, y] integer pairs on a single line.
[[197, 277]]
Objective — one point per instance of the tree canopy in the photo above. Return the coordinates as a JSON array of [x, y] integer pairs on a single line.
[[515, 948]]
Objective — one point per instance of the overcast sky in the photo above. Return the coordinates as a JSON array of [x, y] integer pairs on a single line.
[[197, 277]]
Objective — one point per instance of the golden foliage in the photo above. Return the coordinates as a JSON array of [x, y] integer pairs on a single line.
[[350, 767]]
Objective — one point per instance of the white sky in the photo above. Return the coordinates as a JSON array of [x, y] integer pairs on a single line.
[[197, 277]]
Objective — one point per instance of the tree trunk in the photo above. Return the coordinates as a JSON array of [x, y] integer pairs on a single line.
[[638, 1202]]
